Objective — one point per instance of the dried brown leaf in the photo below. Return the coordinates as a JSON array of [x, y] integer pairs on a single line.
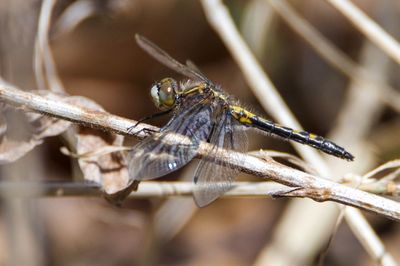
[[46, 126], [95, 153], [108, 170], [11, 150], [101, 164], [50, 126]]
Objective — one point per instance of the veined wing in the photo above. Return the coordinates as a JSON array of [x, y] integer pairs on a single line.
[[190, 64], [212, 179], [164, 58], [174, 146]]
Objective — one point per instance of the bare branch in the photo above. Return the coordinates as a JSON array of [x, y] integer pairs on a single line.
[[146, 189], [103, 120], [368, 27], [219, 18], [334, 56], [265, 91], [45, 70], [314, 187]]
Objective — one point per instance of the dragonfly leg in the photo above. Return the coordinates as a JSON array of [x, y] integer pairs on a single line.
[[129, 129], [146, 131]]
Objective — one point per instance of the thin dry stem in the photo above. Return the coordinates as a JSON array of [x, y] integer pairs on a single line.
[[146, 189], [311, 186], [366, 81], [256, 24], [45, 69], [363, 98], [368, 27], [334, 56], [220, 20], [102, 120], [73, 15]]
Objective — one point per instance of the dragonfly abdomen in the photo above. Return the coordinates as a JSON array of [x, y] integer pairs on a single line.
[[249, 119], [302, 137]]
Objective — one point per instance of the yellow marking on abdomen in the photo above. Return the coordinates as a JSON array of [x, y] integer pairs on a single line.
[[242, 115], [310, 135]]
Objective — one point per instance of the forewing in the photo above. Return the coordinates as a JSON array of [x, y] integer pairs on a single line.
[[164, 58], [195, 68], [212, 179], [174, 146]]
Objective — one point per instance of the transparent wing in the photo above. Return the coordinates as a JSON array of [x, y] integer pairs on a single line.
[[164, 58], [212, 179], [192, 65], [160, 154]]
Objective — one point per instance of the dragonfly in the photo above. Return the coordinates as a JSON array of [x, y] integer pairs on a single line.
[[203, 112]]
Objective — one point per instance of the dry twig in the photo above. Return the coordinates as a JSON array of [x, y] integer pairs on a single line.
[[334, 56], [368, 27], [306, 185], [219, 18]]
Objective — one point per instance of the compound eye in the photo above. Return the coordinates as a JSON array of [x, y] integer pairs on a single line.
[[166, 93]]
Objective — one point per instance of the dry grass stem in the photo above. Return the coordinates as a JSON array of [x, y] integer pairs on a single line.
[[306, 185], [368, 27], [12, 95], [220, 19], [45, 70], [334, 56]]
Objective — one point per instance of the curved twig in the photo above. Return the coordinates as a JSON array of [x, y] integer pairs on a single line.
[[308, 185], [368, 27], [220, 20]]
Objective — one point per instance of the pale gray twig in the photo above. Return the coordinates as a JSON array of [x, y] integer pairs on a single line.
[[45, 70], [352, 128], [255, 25], [12, 95], [316, 188], [73, 15], [153, 189], [265, 91], [334, 56], [368, 27], [220, 19]]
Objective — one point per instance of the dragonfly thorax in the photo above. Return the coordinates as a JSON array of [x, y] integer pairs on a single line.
[[164, 93]]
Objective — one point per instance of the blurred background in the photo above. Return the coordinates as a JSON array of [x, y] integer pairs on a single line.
[[96, 56]]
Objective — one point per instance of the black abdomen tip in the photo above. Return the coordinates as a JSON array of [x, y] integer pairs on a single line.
[[348, 156], [334, 149]]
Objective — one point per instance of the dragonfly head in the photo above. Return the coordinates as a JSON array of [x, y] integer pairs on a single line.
[[164, 93]]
